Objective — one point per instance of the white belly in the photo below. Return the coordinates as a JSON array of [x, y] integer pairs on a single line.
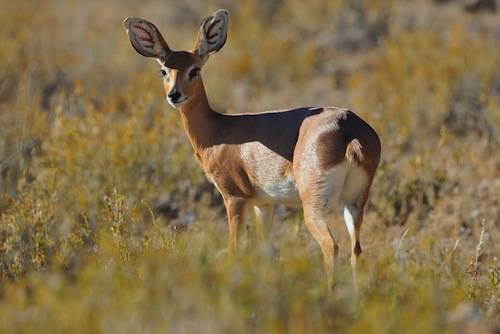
[[271, 175], [280, 190]]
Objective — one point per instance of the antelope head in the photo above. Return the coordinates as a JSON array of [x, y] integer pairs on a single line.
[[180, 70]]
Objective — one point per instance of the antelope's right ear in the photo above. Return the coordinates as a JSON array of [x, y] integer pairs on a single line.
[[212, 34], [146, 39]]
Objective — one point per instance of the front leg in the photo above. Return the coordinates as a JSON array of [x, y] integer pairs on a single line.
[[236, 212], [264, 215], [264, 218]]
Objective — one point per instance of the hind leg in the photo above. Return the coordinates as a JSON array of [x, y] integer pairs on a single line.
[[317, 202], [353, 217], [354, 196], [317, 223], [319, 192]]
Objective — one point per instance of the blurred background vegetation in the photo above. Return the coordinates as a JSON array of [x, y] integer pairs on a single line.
[[107, 224]]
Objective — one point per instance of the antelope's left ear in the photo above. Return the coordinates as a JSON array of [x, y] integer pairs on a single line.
[[212, 34]]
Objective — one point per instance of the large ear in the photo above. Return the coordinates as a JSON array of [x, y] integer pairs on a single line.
[[212, 35], [146, 39]]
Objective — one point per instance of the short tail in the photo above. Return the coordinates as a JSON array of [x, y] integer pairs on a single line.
[[353, 151]]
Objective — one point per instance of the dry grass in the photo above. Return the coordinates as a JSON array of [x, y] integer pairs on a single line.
[[107, 223]]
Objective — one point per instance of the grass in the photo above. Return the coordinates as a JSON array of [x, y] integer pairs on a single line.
[[107, 223]]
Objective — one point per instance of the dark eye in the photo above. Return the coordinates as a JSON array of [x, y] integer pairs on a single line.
[[193, 73], [163, 72]]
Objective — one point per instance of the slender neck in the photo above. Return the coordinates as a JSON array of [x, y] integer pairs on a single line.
[[198, 119]]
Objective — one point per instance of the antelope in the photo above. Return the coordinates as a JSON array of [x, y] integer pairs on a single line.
[[324, 158]]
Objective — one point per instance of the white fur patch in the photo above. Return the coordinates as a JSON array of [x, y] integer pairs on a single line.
[[349, 221]]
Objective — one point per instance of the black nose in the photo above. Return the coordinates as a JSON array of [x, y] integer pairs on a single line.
[[174, 95]]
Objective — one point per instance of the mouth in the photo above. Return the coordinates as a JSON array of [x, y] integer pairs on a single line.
[[177, 103]]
